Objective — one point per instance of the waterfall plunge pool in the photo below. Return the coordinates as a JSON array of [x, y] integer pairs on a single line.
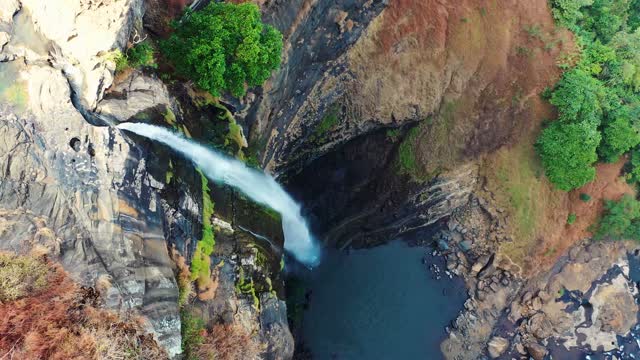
[[377, 304]]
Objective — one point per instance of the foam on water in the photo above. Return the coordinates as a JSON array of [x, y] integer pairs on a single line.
[[257, 185]]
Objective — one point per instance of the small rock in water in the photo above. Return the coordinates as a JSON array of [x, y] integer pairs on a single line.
[[465, 245]]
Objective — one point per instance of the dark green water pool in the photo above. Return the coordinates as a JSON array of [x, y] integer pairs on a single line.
[[381, 303]]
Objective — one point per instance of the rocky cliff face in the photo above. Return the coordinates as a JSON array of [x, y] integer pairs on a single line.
[[100, 202], [81, 191]]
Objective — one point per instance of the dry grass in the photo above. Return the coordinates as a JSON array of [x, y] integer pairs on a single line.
[[537, 213], [515, 178], [229, 342], [62, 321], [185, 286]]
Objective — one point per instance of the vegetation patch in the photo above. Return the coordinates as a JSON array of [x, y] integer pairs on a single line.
[[328, 122], [406, 153], [139, 55], [55, 318], [598, 98], [248, 288], [16, 94], [21, 276], [621, 220], [201, 261], [192, 329], [515, 178]]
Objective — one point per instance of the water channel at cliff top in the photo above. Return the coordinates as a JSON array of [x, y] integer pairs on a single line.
[[379, 303]]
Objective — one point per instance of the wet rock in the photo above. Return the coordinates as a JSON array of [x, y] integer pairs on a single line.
[[537, 351], [134, 95], [465, 245], [536, 304], [540, 326], [497, 346], [442, 245], [273, 323]]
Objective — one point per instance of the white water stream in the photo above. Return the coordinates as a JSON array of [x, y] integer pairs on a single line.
[[257, 185]]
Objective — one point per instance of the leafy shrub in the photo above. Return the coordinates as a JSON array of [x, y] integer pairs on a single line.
[[571, 219], [621, 220], [224, 47], [568, 152], [21, 276], [585, 197], [141, 54], [633, 173], [567, 12]]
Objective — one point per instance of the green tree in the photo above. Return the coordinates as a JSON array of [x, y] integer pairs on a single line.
[[577, 97], [621, 220], [634, 15], [567, 12], [568, 152], [604, 18], [618, 137], [633, 168], [224, 47]]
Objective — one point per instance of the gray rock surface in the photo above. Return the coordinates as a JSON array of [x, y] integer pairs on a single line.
[[78, 190]]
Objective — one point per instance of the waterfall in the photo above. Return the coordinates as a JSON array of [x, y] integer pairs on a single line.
[[257, 185]]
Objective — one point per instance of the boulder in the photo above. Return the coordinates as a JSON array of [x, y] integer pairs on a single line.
[[497, 346], [537, 351]]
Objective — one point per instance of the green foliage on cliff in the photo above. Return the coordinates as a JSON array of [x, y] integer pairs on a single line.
[[406, 154], [598, 100], [192, 328], [141, 54], [567, 152], [621, 220], [224, 47], [200, 263]]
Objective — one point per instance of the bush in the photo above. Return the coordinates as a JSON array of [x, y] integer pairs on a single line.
[[621, 220], [633, 172], [224, 47], [571, 219], [567, 12], [585, 197], [141, 54], [568, 152]]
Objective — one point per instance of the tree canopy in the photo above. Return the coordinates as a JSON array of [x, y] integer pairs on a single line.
[[224, 47], [598, 100]]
